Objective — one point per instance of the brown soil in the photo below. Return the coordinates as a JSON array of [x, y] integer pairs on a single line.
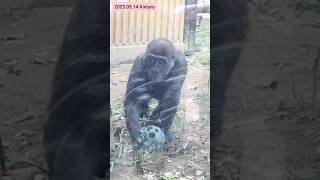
[[189, 154], [266, 146], [29, 44]]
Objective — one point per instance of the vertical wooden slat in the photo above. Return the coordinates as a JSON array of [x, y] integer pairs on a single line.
[[164, 19], [112, 31], [176, 21], [145, 26], [138, 29], [152, 24], [158, 19], [170, 19], [117, 22], [125, 27], [141, 26], [181, 14], [121, 27], [132, 33]]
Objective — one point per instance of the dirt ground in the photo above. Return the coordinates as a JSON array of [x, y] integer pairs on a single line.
[[29, 44], [270, 130], [187, 157]]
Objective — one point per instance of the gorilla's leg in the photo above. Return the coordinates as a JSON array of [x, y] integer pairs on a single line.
[[76, 133], [223, 67], [229, 31]]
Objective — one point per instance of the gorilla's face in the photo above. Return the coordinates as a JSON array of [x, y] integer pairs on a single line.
[[159, 59], [158, 67]]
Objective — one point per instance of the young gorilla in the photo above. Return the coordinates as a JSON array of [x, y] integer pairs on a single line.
[[76, 134], [229, 33], [158, 73]]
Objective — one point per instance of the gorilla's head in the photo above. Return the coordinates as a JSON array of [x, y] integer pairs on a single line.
[[159, 59]]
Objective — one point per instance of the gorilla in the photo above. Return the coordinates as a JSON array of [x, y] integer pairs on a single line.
[[157, 73], [229, 29], [76, 134]]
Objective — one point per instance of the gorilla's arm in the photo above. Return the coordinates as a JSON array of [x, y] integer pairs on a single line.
[[163, 115], [137, 99]]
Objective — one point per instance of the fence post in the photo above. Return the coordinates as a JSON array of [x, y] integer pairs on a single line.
[[190, 22]]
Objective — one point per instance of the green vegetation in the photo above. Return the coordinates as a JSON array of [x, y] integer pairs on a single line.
[[201, 58]]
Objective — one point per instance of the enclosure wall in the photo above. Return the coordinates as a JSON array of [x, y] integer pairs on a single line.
[[131, 30]]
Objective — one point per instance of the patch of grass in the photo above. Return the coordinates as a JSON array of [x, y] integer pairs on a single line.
[[179, 121], [204, 120], [198, 171], [121, 147], [141, 158], [171, 175], [201, 58], [203, 1], [117, 113], [122, 138], [203, 34]]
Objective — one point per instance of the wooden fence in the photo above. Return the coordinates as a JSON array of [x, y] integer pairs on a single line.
[[131, 30]]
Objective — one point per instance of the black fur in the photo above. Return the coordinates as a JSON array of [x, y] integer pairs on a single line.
[[158, 73], [76, 134], [230, 24]]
